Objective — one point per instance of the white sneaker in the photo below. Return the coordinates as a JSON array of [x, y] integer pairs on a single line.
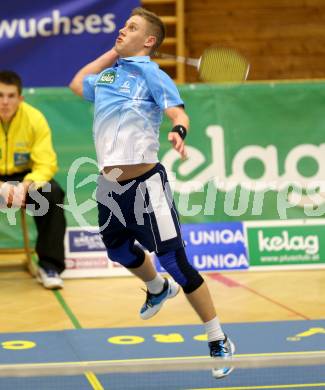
[[222, 349], [154, 302], [49, 278]]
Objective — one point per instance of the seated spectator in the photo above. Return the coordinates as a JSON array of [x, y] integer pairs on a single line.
[[27, 166]]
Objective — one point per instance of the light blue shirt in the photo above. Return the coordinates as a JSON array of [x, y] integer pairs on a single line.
[[129, 98]]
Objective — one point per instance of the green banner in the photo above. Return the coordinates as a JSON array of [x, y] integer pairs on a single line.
[[286, 245], [255, 152]]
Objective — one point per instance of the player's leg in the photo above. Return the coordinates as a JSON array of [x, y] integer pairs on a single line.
[[146, 271], [114, 214], [161, 232], [137, 261], [51, 224], [159, 289], [197, 293], [115, 210]]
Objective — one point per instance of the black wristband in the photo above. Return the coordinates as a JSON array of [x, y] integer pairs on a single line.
[[181, 130]]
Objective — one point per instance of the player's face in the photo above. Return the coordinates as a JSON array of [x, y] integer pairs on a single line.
[[9, 101], [134, 39]]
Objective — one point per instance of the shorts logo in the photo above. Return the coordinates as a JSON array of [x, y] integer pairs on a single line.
[[107, 78]]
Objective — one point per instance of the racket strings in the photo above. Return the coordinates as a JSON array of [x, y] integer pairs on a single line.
[[222, 65]]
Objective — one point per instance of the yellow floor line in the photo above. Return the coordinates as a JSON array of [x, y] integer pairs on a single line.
[[93, 380]]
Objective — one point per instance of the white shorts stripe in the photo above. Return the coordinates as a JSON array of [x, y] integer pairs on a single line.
[[160, 207]]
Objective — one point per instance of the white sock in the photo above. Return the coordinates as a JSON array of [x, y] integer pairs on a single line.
[[213, 330], [156, 285]]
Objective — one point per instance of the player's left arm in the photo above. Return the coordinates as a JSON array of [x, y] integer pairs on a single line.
[[104, 61], [180, 123]]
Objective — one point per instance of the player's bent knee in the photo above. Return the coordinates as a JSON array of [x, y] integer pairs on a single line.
[[128, 254], [177, 265], [194, 283]]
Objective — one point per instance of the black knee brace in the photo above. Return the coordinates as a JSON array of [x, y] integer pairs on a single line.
[[177, 265]]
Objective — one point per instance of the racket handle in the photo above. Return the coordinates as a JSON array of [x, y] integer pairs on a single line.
[[183, 60]]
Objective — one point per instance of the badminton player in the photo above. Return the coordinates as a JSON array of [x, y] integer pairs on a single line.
[[131, 94]]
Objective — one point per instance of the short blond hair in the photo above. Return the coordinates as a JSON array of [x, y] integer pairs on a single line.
[[157, 27]]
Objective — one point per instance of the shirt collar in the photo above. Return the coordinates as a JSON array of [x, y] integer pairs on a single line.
[[134, 59]]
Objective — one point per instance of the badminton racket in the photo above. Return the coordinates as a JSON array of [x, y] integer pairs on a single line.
[[217, 65]]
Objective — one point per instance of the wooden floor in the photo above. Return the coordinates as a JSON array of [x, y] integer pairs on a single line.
[[114, 302]]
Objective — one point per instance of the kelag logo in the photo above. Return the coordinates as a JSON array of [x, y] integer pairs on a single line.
[[107, 78], [280, 245], [217, 175], [215, 246], [306, 244]]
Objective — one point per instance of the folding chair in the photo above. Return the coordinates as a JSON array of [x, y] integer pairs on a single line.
[[26, 250]]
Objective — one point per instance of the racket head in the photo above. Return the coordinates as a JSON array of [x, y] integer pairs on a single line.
[[221, 65]]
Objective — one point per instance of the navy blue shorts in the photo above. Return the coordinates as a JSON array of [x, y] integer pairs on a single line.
[[139, 209]]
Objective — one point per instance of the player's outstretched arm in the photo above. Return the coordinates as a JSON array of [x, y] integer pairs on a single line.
[[180, 122], [104, 61]]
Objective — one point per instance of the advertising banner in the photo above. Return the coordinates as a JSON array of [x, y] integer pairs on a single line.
[[283, 244], [241, 164], [210, 247], [256, 152], [86, 255], [47, 41], [215, 246]]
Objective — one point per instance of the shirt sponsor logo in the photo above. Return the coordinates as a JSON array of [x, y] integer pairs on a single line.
[[125, 87], [21, 159], [107, 78]]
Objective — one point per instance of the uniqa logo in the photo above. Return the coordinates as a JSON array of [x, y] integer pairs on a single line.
[[225, 236], [270, 180], [309, 244]]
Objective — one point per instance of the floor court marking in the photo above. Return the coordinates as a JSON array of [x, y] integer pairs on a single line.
[[97, 385], [232, 283], [93, 380], [67, 309], [289, 386], [266, 354], [91, 377], [88, 362]]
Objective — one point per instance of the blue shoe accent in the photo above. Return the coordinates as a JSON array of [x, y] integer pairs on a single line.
[[154, 302], [222, 349]]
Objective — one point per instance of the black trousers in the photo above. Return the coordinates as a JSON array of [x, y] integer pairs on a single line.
[[50, 222]]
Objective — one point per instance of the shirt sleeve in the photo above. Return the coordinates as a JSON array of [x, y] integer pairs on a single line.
[[89, 87], [162, 88]]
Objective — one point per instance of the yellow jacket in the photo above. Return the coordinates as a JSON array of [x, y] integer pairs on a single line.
[[27, 145]]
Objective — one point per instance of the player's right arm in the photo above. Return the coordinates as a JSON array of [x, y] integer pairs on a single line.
[[104, 61]]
